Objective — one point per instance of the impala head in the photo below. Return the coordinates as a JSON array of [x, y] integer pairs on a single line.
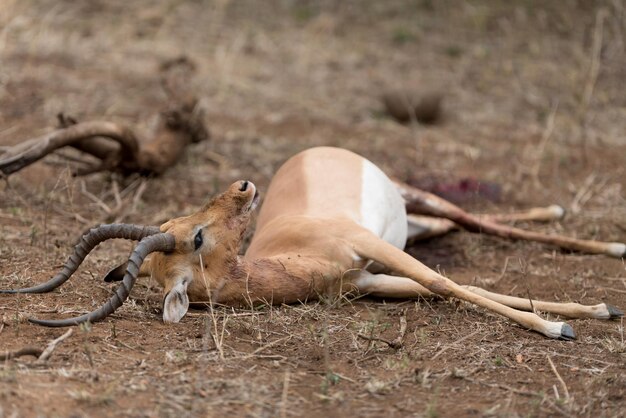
[[211, 236]]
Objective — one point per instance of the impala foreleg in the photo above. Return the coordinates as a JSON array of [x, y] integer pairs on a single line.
[[368, 246]]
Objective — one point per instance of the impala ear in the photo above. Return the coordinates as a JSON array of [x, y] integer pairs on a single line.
[[176, 302]]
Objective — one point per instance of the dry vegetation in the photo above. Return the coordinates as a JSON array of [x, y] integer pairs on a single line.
[[534, 101]]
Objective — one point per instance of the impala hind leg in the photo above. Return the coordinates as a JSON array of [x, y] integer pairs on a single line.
[[426, 203], [538, 214], [383, 285], [424, 227]]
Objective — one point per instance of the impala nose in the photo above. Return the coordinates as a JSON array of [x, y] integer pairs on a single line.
[[244, 186]]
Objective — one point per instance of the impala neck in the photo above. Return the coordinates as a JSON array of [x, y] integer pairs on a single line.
[[275, 280]]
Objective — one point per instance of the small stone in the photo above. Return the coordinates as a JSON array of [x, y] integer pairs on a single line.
[[405, 106]]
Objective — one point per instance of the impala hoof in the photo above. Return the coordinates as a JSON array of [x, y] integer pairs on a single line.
[[614, 312], [558, 211], [616, 249], [567, 333]]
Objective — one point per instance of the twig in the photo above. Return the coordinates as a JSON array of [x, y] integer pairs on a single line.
[[398, 342], [94, 198], [594, 69], [612, 289], [202, 305], [219, 159], [530, 300], [545, 137], [504, 387], [121, 210], [460, 340], [271, 344], [52, 346], [139, 194], [26, 351], [283, 401], [575, 207], [558, 376], [116, 195], [392, 344], [503, 272], [215, 333], [256, 352]]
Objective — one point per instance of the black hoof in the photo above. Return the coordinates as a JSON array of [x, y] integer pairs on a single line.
[[567, 333], [614, 312]]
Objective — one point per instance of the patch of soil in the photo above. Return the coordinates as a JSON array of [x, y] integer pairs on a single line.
[[275, 79]]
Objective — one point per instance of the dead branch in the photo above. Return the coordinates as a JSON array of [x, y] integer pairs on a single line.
[[399, 340], [392, 344], [42, 355], [26, 351], [33, 150], [119, 148], [115, 145], [558, 376]]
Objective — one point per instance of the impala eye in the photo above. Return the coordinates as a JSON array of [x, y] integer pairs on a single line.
[[197, 241]]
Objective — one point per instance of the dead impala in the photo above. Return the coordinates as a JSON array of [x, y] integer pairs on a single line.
[[330, 221]]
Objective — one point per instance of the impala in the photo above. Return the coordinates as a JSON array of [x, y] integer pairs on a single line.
[[331, 219]]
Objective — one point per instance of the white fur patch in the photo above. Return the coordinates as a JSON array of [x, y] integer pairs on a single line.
[[382, 206], [600, 311]]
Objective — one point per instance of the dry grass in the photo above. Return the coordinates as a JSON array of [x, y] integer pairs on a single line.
[[531, 103]]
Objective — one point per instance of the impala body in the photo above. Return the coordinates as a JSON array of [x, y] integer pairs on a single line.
[[331, 219], [327, 216]]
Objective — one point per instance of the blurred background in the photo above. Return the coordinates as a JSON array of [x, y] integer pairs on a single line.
[[309, 72]]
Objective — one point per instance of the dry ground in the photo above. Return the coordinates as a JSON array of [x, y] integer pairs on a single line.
[[534, 101]]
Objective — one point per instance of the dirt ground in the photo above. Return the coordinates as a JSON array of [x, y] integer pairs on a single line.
[[533, 103]]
